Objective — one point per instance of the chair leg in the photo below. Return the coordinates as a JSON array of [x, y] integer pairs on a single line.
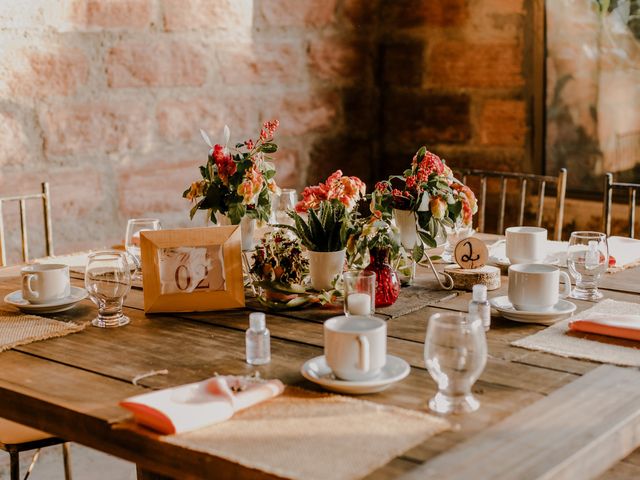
[[66, 457], [14, 469], [33, 464]]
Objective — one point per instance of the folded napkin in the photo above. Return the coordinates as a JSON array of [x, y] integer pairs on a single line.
[[626, 251], [196, 405], [621, 326]]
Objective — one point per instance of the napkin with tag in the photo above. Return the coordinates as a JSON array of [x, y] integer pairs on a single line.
[[196, 405]]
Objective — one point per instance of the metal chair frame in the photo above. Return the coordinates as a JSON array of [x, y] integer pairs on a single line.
[[14, 449], [524, 178], [22, 202], [609, 187]]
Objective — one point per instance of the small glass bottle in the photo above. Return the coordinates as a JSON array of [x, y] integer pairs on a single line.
[[479, 306], [258, 340]]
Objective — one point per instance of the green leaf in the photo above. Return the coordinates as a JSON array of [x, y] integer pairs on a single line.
[[204, 171], [268, 147], [317, 232], [194, 210], [239, 145], [421, 153], [427, 239], [418, 252]]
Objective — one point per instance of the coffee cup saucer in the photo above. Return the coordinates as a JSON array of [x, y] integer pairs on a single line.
[[76, 295], [317, 371], [560, 310]]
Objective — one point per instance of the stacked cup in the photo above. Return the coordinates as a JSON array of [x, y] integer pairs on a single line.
[[533, 285]]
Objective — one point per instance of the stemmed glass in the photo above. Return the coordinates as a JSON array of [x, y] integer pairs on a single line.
[[108, 280], [587, 259], [458, 232], [455, 353], [286, 201], [132, 241]]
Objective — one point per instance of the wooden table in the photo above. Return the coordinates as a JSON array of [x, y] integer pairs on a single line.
[[70, 386]]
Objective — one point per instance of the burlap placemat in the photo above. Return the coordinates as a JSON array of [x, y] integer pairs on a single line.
[[559, 340], [308, 435], [19, 329]]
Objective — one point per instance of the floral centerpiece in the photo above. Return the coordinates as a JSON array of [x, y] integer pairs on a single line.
[[236, 182], [423, 200], [323, 221], [280, 270]]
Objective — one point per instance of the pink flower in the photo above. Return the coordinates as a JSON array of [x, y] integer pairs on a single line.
[[249, 144], [348, 190]]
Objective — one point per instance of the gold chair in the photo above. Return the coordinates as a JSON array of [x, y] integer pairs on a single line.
[[609, 187], [22, 202], [16, 438], [523, 179]]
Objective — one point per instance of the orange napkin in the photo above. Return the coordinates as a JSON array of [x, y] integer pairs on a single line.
[[621, 326], [196, 405]]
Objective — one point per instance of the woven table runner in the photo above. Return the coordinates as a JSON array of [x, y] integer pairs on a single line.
[[18, 329], [559, 340], [308, 435]]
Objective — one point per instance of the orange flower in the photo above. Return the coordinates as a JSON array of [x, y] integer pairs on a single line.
[[196, 190], [438, 207], [250, 186]]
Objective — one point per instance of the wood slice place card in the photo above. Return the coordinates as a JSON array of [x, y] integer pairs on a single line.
[[465, 279], [471, 253]]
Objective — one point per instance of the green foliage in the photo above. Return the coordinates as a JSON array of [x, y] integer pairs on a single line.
[[325, 230]]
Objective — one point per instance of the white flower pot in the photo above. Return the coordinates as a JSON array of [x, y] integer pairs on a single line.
[[324, 266], [406, 221], [247, 230]]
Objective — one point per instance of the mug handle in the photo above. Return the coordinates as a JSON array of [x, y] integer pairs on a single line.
[[26, 284], [363, 359], [564, 276]]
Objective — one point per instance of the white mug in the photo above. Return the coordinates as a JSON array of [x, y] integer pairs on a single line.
[[355, 347], [526, 244], [534, 287], [45, 283]]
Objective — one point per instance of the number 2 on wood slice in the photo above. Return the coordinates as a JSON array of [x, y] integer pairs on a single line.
[[471, 253]]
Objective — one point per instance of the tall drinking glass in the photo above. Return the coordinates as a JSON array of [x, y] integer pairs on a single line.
[[132, 241], [108, 280], [455, 353], [587, 260], [286, 201]]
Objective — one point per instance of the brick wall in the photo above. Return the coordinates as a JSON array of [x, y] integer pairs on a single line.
[[104, 99]]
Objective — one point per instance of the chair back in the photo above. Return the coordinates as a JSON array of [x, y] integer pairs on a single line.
[[609, 187], [22, 203], [523, 179]]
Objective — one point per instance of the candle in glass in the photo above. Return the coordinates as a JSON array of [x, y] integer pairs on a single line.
[[359, 292]]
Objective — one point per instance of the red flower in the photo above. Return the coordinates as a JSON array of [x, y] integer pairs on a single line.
[[382, 187], [224, 162]]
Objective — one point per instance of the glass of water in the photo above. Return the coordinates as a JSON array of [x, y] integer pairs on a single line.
[[132, 240], [108, 280], [455, 354], [587, 260]]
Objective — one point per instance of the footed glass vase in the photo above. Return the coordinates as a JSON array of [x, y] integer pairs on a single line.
[[387, 281]]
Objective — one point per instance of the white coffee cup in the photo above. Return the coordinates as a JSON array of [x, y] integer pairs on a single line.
[[45, 283], [355, 347], [534, 287], [526, 244]]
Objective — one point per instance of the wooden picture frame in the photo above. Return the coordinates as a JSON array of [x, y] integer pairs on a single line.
[[162, 250]]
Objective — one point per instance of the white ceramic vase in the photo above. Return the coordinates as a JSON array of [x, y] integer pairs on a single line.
[[324, 266], [247, 230], [406, 221]]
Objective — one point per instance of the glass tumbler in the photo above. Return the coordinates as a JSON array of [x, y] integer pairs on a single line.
[[359, 292], [455, 353], [108, 280], [587, 260], [132, 240]]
